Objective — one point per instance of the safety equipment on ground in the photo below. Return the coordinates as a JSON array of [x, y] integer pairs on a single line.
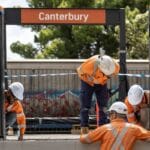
[[135, 94], [119, 107], [17, 89], [106, 65]]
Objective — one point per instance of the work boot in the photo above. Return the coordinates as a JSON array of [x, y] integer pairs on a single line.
[[10, 131], [84, 130]]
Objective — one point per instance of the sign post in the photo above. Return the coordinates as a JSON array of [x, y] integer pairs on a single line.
[[2, 114], [123, 84]]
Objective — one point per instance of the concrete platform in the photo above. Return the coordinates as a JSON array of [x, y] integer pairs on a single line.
[[28, 137], [55, 142]]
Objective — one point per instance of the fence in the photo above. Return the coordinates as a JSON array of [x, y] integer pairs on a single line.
[[52, 89]]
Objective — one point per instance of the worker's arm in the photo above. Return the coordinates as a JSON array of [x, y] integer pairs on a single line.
[[141, 133], [131, 114], [93, 136]]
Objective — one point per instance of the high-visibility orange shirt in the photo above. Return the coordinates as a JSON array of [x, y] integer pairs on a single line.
[[18, 109], [107, 139], [89, 71], [134, 109]]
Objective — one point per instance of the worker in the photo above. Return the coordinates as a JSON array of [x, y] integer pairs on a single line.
[[94, 73], [13, 107], [135, 101], [118, 134]]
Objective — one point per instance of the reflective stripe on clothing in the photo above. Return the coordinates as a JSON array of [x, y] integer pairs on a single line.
[[90, 73], [103, 134], [118, 136], [20, 114], [90, 78], [21, 126]]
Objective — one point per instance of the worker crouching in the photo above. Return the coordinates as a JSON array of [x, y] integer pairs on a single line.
[[13, 107], [136, 100]]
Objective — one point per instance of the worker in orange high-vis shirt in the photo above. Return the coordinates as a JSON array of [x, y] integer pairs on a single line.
[[118, 134], [135, 101], [13, 107], [94, 73]]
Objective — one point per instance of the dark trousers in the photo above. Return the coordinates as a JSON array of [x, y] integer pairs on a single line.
[[86, 94], [10, 119]]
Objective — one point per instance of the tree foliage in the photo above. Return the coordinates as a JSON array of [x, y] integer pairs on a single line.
[[24, 50], [82, 41], [137, 35]]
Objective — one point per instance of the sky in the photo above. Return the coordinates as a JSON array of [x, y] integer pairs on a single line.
[[14, 32]]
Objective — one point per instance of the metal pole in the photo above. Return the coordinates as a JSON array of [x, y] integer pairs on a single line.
[[123, 82], [2, 114], [149, 38], [5, 57], [149, 59]]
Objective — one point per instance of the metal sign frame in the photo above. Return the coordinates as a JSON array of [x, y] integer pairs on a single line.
[[17, 16]]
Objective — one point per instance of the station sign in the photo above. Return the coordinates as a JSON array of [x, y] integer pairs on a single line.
[[63, 16]]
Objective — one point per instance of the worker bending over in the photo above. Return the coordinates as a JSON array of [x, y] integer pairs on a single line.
[[13, 107], [136, 100], [118, 134], [94, 73]]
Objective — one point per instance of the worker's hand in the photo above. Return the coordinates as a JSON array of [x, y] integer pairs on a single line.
[[20, 138], [8, 97], [6, 94]]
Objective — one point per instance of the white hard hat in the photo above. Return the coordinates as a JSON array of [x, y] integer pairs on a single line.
[[17, 89], [118, 107], [106, 65], [135, 94]]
